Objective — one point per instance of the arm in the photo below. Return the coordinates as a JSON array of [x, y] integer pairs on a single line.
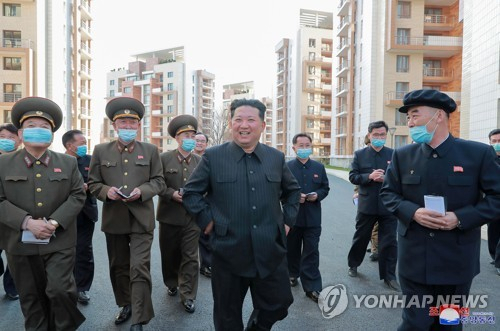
[[156, 183], [96, 183], [193, 198], [290, 195], [325, 185], [355, 176]]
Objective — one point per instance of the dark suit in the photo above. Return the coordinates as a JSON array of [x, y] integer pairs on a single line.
[[303, 238], [432, 262], [84, 260], [178, 232], [243, 194], [494, 238], [128, 225], [50, 187], [371, 210]]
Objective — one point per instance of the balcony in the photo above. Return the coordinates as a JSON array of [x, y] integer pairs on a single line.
[[343, 27], [159, 112], [319, 115], [17, 43], [440, 22], [84, 93], [84, 72], [432, 46], [394, 98], [341, 111], [343, 7], [342, 90], [343, 47], [157, 134], [85, 31], [318, 60], [437, 75], [343, 69], [85, 51], [85, 114], [85, 9]]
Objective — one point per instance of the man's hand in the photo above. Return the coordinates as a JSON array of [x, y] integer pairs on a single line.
[[177, 196], [302, 198], [311, 197], [377, 175], [134, 195], [40, 228], [209, 228], [287, 229], [85, 187], [434, 220], [112, 195]]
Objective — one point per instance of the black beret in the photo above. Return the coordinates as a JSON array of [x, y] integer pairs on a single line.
[[36, 107], [124, 107], [182, 123], [430, 98]]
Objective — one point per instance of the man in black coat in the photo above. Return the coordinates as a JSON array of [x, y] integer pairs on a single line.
[[438, 252], [251, 201], [303, 239], [76, 145], [368, 171], [494, 227]]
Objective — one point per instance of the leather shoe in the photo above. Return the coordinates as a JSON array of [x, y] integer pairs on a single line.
[[12, 296], [83, 297], [172, 291], [293, 281], [393, 285], [136, 327], [123, 315], [374, 256], [313, 295], [353, 271], [206, 271], [189, 306], [498, 271]]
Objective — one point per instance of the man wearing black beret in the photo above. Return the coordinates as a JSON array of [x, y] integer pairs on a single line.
[[41, 193], [438, 252]]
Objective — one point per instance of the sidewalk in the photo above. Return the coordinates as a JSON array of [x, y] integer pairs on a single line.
[[343, 174]]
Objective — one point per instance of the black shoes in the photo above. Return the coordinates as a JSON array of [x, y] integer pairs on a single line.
[[136, 327], [189, 306], [313, 295], [83, 297], [353, 271], [172, 291], [374, 256], [293, 281], [206, 271], [393, 285], [12, 296], [498, 271], [124, 315]]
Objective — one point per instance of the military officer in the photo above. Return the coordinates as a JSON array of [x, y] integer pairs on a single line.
[[179, 232], [438, 253], [125, 175], [76, 145], [39, 228]]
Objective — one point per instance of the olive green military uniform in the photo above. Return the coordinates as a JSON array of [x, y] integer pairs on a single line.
[[49, 187], [128, 225]]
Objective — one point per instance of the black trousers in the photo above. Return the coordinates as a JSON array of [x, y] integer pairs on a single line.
[[303, 256], [271, 297], [84, 260], [418, 319], [387, 243], [494, 241], [8, 281], [205, 251]]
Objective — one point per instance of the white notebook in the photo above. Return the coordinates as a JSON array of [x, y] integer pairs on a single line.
[[435, 203], [29, 238]]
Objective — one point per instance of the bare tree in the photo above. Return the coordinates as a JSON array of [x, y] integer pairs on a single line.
[[220, 129]]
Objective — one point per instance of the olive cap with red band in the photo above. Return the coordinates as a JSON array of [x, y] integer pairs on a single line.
[[124, 107], [182, 123], [37, 107]]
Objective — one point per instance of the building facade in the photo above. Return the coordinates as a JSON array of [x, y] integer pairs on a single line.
[[203, 100]]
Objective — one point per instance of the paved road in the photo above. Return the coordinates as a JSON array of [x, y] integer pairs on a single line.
[[304, 315]]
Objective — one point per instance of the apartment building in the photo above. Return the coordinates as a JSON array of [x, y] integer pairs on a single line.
[[157, 79], [304, 84], [45, 51], [267, 135], [203, 100], [385, 49]]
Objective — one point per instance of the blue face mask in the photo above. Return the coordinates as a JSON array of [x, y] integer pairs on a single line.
[[495, 146], [378, 142], [188, 144], [81, 150], [37, 135], [420, 135], [7, 145], [303, 153], [127, 135]]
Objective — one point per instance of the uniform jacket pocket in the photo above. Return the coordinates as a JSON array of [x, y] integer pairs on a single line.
[[108, 164], [410, 180], [460, 180], [58, 177], [16, 178]]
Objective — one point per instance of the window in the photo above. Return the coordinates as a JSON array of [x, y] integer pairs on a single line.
[[404, 9], [170, 109], [12, 63], [170, 74], [170, 97], [360, 52], [400, 118], [11, 9], [310, 109], [312, 42], [7, 116], [11, 92], [403, 63], [170, 86], [310, 124], [310, 83], [432, 68], [400, 141], [147, 99], [311, 70], [147, 76], [312, 56], [360, 75], [401, 89], [359, 100], [310, 96], [111, 93], [112, 82], [127, 90], [11, 38], [403, 36]]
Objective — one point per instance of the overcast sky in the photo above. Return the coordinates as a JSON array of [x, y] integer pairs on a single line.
[[234, 40]]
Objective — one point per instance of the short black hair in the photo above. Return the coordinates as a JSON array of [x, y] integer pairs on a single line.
[[206, 137], [9, 127], [249, 102], [493, 132], [298, 135], [70, 136], [376, 125]]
